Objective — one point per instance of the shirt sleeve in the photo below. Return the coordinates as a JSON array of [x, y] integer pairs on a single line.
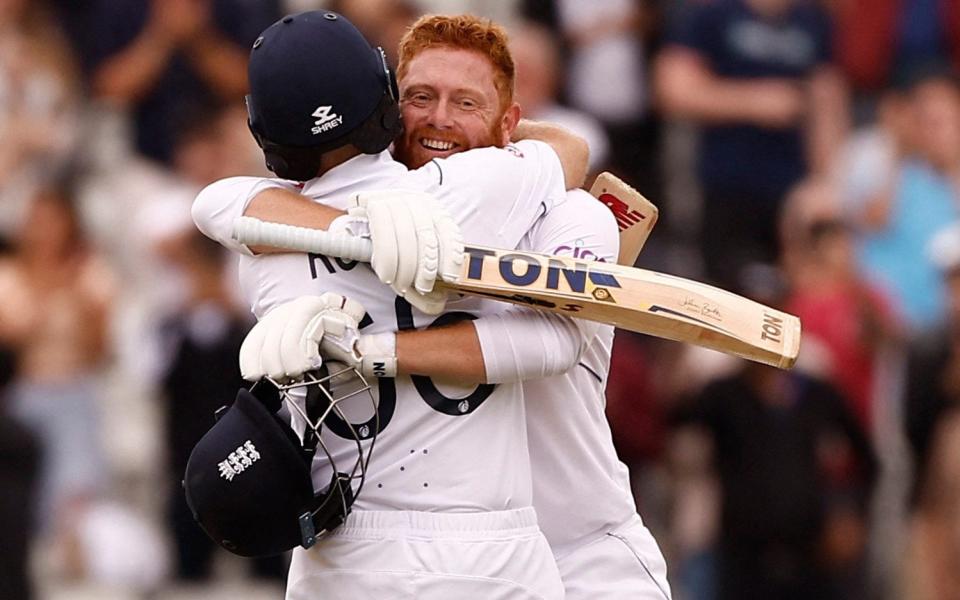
[[524, 343], [497, 194], [219, 204], [521, 343]]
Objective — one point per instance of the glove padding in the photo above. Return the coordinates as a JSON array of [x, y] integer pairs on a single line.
[[415, 242], [285, 343]]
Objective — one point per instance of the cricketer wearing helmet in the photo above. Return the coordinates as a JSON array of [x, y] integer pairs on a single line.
[[446, 506], [451, 87]]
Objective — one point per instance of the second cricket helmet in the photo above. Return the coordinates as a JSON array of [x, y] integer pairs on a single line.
[[248, 480]]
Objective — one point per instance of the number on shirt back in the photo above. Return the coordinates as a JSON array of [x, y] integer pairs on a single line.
[[387, 387], [425, 386]]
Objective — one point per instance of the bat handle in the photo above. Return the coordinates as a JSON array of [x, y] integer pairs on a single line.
[[254, 232]]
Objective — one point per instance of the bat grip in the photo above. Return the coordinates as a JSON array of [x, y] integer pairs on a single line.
[[254, 232]]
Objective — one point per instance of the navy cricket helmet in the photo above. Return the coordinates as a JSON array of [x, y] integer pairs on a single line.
[[316, 84], [248, 480]]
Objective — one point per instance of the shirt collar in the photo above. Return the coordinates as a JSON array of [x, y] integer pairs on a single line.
[[353, 173]]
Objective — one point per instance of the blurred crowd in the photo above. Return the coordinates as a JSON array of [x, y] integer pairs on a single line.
[[804, 153]]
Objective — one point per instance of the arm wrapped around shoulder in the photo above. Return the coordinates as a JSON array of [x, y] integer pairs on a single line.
[[521, 343], [217, 207]]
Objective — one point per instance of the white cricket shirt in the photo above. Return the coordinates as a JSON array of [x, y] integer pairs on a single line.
[[580, 487], [439, 448]]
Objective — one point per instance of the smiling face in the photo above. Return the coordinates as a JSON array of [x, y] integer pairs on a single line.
[[450, 103]]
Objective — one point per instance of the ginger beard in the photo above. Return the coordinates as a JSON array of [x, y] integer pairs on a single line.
[[450, 103]]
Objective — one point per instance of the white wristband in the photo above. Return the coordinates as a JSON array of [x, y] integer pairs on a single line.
[[378, 354]]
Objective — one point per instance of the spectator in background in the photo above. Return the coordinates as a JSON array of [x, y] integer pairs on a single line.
[[210, 144], [19, 465], [383, 22], [842, 314], [157, 58], [876, 39], [870, 158], [933, 429], [605, 75], [755, 75], [921, 198], [536, 57], [634, 402], [193, 324], [605, 62], [791, 514], [39, 98], [201, 374], [933, 374], [57, 297]]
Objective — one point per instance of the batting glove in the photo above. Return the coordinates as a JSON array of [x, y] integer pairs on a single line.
[[284, 344], [415, 243]]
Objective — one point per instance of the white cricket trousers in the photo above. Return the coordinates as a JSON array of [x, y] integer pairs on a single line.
[[624, 563], [410, 555]]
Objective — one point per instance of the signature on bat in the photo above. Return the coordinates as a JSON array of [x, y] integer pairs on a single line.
[[704, 309]]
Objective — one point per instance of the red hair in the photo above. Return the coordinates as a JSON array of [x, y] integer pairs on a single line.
[[464, 32]]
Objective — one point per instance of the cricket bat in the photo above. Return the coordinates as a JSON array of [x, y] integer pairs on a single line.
[[634, 299], [635, 215]]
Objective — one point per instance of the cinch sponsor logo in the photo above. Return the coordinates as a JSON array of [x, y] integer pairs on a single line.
[[524, 270], [578, 251]]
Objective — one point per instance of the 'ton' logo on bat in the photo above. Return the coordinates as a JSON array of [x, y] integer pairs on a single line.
[[626, 218], [772, 328], [524, 270]]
